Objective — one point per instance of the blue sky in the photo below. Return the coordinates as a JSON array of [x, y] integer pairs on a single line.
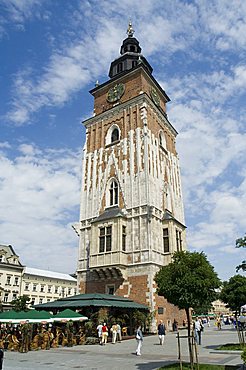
[[53, 51]]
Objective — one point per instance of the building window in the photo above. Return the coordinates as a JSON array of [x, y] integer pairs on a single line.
[[119, 67], [162, 140], [8, 280], [166, 241], [134, 63], [115, 135], [105, 239], [1, 258], [56, 290], [40, 300], [6, 296], [34, 288], [16, 281], [124, 238], [49, 289], [69, 291], [178, 240], [160, 310], [113, 193], [63, 292], [14, 296], [42, 288], [110, 289], [32, 301], [27, 287]]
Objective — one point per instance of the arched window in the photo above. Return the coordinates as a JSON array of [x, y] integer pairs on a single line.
[[115, 135], [113, 193]]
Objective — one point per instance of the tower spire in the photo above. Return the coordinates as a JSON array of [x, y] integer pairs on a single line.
[[130, 30]]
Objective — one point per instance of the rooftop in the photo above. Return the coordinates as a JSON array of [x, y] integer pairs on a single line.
[[47, 273]]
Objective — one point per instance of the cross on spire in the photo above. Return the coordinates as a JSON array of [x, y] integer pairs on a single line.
[[130, 30]]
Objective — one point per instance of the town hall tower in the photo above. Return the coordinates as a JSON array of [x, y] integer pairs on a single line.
[[131, 213]]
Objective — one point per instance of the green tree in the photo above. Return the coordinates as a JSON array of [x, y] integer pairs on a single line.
[[241, 243], [233, 293], [20, 303], [189, 281]]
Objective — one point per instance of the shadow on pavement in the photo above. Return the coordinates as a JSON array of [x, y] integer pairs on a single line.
[[154, 365]]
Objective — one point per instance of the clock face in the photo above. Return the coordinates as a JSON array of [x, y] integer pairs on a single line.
[[155, 96], [115, 93]]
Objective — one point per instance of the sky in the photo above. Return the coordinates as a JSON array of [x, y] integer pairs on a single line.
[[51, 54]]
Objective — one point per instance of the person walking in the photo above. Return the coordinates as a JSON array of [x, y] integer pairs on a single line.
[[198, 326], [99, 331], [161, 332], [114, 332], [104, 334], [119, 332], [139, 338]]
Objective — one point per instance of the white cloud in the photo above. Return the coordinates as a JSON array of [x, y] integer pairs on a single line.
[[39, 197], [20, 10]]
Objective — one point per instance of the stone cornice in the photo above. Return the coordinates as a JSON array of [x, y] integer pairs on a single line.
[[119, 108]]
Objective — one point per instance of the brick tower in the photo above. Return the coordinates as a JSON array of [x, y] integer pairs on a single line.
[[131, 214]]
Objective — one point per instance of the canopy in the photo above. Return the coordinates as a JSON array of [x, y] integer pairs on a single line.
[[90, 300], [31, 316], [69, 315]]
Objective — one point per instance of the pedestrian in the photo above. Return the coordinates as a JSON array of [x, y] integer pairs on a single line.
[[119, 332], [175, 325], [139, 338], [218, 323], [99, 331], [198, 326], [114, 333], [104, 334], [161, 332]]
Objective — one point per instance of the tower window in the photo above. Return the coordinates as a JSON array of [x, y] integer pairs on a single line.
[[115, 135], [178, 240], [124, 238], [166, 241], [134, 63], [132, 48], [162, 140], [105, 239], [110, 289], [119, 67], [113, 193]]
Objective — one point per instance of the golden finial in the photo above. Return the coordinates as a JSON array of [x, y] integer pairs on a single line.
[[130, 30], [97, 83]]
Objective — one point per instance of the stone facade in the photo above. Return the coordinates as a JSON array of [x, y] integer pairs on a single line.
[[131, 214], [40, 285]]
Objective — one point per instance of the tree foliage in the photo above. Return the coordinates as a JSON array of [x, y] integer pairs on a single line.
[[241, 243], [189, 281], [20, 303], [233, 292]]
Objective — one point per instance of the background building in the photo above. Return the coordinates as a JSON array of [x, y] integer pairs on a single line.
[[11, 271], [131, 214], [40, 285], [45, 286]]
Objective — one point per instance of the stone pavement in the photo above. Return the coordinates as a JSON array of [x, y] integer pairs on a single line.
[[121, 356]]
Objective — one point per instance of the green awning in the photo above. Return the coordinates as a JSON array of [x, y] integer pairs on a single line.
[[68, 315], [31, 316], [95, 300]]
